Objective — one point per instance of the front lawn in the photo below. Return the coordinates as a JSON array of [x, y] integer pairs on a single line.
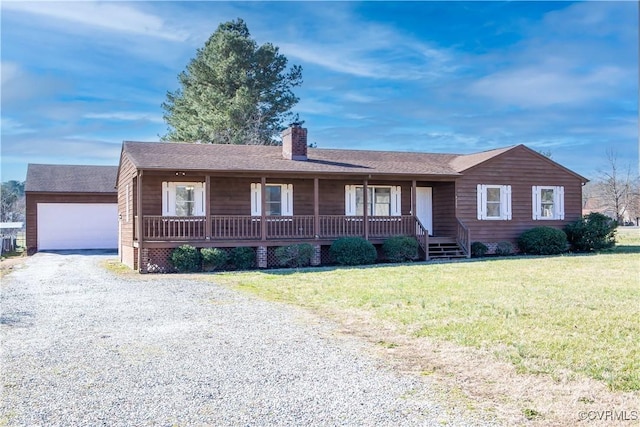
[[548, 315]]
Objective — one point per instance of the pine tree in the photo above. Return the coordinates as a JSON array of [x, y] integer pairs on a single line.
[[232, 92]]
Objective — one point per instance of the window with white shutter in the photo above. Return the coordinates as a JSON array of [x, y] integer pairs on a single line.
[[183, 199], [494, 202], [278, 199], [547, 202], [381, 200]]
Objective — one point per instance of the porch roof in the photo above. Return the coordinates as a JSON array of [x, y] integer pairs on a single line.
[[249, 158]]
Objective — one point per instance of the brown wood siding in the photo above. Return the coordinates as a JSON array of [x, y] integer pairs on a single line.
[[32, 200], [231, 196], [126, 177], [521, 169], [444, 219]]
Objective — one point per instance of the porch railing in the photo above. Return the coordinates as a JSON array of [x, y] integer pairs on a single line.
[[174, 227], [422, 235], [235, 227], [246, 227], [463, 238], [290, 227]]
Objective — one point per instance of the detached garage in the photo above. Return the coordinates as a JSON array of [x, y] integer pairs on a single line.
[[71, 207]]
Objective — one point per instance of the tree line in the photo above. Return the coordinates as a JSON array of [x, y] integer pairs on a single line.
[[12, 201]]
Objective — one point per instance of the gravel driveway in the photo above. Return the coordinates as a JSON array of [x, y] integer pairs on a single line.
[[82, 346]]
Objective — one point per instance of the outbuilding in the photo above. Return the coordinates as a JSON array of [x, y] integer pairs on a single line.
[[71, 207]]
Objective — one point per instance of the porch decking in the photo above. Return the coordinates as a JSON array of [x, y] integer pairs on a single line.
[[259, 230]]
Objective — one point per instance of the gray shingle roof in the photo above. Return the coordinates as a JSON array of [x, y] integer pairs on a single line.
[[214, 157], [71, 178], [463, 162]]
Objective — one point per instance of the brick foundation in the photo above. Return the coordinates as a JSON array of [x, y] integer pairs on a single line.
[[316, 259], [262, 257]]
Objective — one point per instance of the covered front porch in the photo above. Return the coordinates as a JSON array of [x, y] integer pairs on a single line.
[[325, 210], [228, 231]]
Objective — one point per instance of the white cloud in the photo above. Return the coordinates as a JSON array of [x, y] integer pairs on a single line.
[[10, 70], [111, 16], [314, 106], [542, 86], [124, 116], [13, 127], [359, 98], [18, 85], [353, 46], [582, 55]]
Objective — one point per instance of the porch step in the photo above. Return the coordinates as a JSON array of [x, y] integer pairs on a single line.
[[445, 249]]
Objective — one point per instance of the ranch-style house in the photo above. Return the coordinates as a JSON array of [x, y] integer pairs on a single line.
[[205, 195]]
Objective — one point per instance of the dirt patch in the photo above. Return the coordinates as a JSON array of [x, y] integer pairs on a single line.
[[477, 380], [7, 265]]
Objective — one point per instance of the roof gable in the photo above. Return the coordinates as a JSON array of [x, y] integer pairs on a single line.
[[466, 163], [71, 179]]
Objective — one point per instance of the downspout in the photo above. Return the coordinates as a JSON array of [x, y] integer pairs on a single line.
[[142, 269]]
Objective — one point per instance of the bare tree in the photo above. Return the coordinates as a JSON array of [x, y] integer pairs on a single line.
[[619, 188]]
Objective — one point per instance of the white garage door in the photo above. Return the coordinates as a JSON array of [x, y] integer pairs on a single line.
[[77, 226]]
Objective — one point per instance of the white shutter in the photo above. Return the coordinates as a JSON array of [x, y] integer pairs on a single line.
[[256, 200], [481, 195], [396, 201], [350, 200], [559, 202], [286, 193], [535, 194], [168, 199], [505, 202], [199, 194]]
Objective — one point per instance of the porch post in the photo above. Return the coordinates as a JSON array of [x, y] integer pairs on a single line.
[[414, 214], [413, 198], [263, 207], [207, 206], [316, 207], [141, 268], [365, 213]]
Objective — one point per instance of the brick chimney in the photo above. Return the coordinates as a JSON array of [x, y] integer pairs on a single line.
[[294, 142]]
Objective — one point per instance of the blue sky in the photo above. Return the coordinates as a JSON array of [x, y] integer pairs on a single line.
[[78, 78]]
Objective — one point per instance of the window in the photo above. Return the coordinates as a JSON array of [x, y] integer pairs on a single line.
[[278, 199], [273, 202], [547, 202], [381, 200], [494, 202], [183, 199]]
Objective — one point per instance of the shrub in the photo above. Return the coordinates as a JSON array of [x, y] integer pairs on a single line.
[[186, 258], [243, 257], [478, 249], [400, 248], [353, 251], [504, 249], [214, 258], [593, 232], [295, 255], [543, 241]]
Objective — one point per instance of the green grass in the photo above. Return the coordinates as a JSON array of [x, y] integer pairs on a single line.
[[549, 315]]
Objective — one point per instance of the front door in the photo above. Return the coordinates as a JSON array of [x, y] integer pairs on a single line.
[[424, 207]]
